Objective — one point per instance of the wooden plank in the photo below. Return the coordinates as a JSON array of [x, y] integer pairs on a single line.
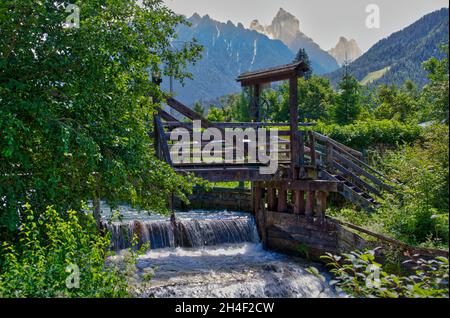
[[271, 198], [309, 209], [186, 111], [293, 120], [358, 181], [325, 139], [312, 148], [299, 202], [282, 200], [162, 141], [321, 197], [305, 185], [413, 249], [360, 170]]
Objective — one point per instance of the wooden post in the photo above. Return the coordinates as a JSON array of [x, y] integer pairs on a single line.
[[330, 158], [257, 193], [272, 198], [256, 95], [309, 210], [312, 147], [293, 120], [282, 200], [299, 202], [321, 197]]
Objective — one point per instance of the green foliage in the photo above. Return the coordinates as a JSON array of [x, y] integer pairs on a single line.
[[436, 92], [417, 212], [75, 104], [198, 108], [397, 104], [364, 134], [348, 102], [36, 264], [302, 56], [216, 114], [359, 275]]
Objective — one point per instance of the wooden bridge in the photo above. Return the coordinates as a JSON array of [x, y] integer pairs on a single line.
[[310, 165], [288, 205]]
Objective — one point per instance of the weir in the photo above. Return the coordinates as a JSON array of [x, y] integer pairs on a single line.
[[289, 204]]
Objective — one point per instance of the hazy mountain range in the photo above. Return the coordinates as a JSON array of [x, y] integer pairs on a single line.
[[232, 49]]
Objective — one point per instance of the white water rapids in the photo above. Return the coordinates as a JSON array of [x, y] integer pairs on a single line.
[[219, 259]]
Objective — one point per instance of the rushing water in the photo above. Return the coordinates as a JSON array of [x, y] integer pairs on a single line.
[[217, 254]]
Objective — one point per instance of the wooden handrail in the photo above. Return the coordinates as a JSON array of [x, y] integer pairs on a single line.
[[162, 140]]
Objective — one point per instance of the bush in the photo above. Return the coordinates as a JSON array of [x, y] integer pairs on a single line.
[[417, 212], [359, 275], [49, 250], [363, 134]]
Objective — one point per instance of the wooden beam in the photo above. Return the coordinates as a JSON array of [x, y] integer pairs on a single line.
[[309, 210], [293, 120], [271, 198], [321, 197], [186, 111], [305, 185], [299, 202], [282, 200]]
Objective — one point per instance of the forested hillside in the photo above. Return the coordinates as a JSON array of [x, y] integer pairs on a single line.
[[399, 57]]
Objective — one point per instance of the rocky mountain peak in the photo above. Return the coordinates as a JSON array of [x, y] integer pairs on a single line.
[[345, 50], [286, 28]]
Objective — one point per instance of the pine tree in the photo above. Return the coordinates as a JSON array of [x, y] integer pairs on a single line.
[[199, 109], [348, 103], [302, 56]]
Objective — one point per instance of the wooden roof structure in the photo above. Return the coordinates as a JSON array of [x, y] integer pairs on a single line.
[[273, 74]]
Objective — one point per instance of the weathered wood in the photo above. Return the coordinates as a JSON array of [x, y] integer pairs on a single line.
[[321, 197], [361, 171], [357, 180], [326, 139], [282, 200], [299, 202], [312, 148], [272, 198], [162, 141], [413, 250], [305, 185], [186, 111], [309, 210], [293, 120], [274, 74]]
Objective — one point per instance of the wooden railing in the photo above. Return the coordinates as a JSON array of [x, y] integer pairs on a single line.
[[348, 163]]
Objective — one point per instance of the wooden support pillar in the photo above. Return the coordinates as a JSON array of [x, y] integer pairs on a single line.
[[293, 121], [282, 200], [309, 210], [254, 107], [299, 202], [321, 197], [312, 147], [272, 198]]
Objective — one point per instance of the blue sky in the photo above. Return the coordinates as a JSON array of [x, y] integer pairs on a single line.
[[322, 20]]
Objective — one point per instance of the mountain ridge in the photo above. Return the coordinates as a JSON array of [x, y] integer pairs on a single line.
[[403, 52]]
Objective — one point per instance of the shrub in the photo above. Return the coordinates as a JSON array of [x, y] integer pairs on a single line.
[[418, 211], [359, 275], [48, 251], [363, 134]]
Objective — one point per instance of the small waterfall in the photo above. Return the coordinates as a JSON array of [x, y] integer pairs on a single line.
[[192, 232]]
